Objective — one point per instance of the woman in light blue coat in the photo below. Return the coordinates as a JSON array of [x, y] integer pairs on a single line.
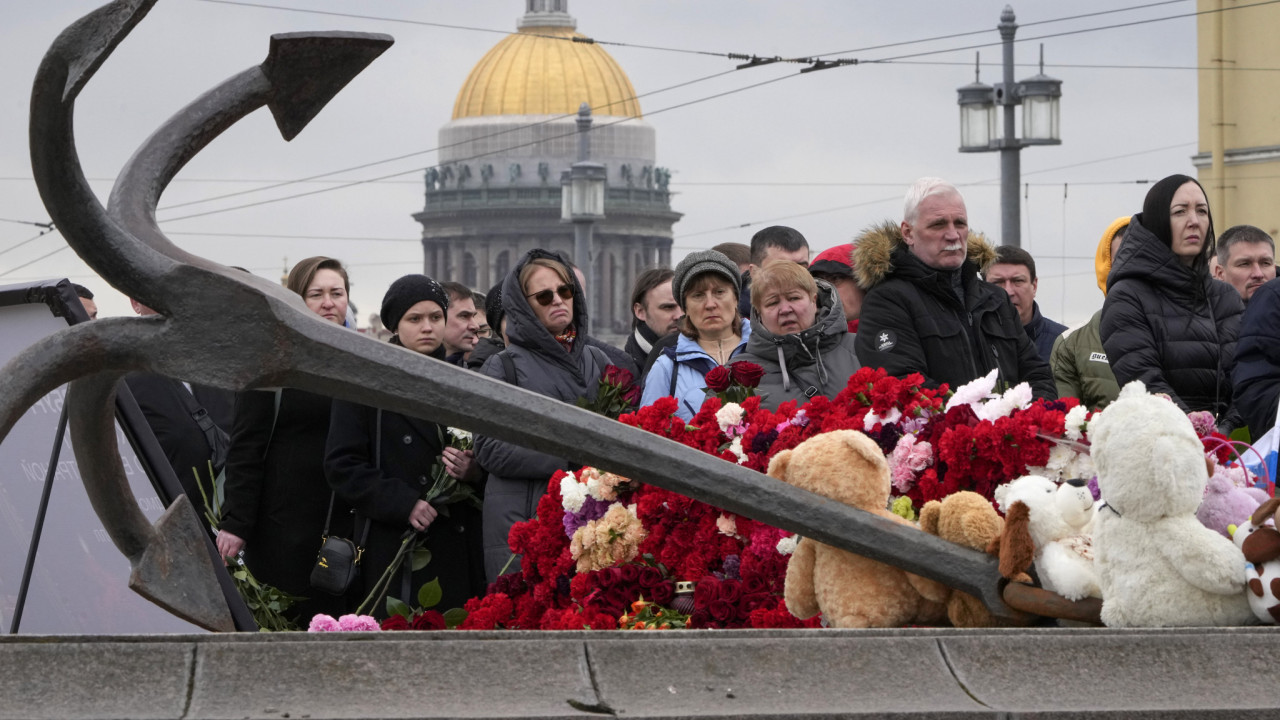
[[712, 332]]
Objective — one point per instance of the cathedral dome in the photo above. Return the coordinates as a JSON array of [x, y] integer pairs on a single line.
[[539, 70]]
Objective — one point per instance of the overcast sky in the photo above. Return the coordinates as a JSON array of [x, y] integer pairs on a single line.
[[826, 152]]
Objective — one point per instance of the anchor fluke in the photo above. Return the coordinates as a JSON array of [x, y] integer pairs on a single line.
[[308, 69]]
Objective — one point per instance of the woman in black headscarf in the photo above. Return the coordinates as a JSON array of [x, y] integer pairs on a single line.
[[1165, 321]]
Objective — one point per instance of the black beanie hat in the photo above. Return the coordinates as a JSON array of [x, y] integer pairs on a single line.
[[493, 311], [407, 292]]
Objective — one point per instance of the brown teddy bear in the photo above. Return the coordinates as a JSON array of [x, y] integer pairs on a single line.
[[968, 519], [850, 590]]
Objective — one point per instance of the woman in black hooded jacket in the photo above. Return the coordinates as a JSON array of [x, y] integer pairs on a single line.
[[1165, 321], [548, 353]]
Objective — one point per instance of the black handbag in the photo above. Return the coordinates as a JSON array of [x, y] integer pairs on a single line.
[[338, 562]]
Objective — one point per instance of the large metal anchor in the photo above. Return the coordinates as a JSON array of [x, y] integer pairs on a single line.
[[231, 330]]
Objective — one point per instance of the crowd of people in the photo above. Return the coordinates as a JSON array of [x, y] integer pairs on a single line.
[[1193, 315]]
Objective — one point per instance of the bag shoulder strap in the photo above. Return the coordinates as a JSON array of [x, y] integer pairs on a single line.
[[201, 418], [675, 368], [508, 367], [377, 463]]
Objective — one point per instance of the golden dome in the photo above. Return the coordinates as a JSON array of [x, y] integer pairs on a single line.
[[535, 72]]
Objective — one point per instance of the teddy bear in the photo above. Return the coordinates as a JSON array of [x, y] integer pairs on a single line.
[[1157, 565], [850, 591], [1226, 503], [1260, 544], [1046, 523], [965, 518]]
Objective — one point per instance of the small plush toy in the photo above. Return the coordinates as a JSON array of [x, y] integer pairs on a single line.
[[1158, 566], [1045, 522], [849, 590], [964, 518], [1226, 503], [1260, 544]]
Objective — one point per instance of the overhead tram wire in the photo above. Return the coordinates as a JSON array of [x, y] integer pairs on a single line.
[[709, 77], [31, 239], [442, 147], [29, 263], [480, 155], [977, 183]]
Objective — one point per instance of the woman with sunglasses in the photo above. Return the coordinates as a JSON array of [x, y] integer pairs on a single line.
[[547, 353], [380, 462], [712, 332]]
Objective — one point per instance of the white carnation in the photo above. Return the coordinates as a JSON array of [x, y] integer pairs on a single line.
[[735, 447], [1075, 422], [787, 545], [572, 493], [729, 416], [1019, 395], [460, 434], [974, 392]]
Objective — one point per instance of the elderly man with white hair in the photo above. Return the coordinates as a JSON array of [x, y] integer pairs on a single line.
[[928, 311]]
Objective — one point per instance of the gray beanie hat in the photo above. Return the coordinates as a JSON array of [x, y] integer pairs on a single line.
[[702, 261]]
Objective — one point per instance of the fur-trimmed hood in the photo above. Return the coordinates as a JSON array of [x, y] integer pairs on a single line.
[[873, 254]]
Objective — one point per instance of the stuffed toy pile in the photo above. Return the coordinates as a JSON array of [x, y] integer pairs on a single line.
[[1158, 566], [965, 518], [1049, 524], [1259, 540], [849, 590]]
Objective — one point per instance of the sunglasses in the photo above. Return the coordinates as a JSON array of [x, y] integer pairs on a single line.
[[545, 297]]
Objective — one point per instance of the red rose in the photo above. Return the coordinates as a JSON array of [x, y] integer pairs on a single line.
[[663, 593], [650, 577], [428, 620], [395, 622], [719, 379], [722, 611], [731, 591], [629, 574], [746, 374], [615, 375], [706, 591]]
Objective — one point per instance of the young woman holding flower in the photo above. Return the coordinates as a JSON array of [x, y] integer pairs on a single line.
[[712, 333], [547, 353], [381, 463], [801, 338], [276, 498]]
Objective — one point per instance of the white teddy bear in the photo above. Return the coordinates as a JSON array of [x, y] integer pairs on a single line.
[[1056, 517], [1158, 566]]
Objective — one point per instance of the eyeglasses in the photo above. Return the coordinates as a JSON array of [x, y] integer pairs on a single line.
[[545, 297]]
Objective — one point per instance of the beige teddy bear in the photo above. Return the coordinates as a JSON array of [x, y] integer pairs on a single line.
[[850, 590], [968, 519]]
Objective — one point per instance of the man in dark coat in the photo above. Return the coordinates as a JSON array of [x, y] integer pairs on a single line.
[[776, 242], [462, 327], [192, 423], [927, 311], [1015, 271], [655, 311], [1257, 370]]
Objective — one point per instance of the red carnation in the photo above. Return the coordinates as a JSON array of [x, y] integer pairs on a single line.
[[395, 622], [719, 379], [746, 374]]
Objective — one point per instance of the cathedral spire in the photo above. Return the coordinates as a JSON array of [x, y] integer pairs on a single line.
[[546, 13]]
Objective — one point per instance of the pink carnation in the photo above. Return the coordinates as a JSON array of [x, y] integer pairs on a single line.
[[323, 623], [907, 460], [358, 623], [1203, 422]]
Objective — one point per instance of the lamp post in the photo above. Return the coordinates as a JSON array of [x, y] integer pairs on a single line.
[[582, 203], [1039, 97]]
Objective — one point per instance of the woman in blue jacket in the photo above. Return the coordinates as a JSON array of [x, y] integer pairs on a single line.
[[712, 332]]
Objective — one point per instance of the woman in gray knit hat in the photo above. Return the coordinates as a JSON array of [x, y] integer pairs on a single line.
[[712, 332]]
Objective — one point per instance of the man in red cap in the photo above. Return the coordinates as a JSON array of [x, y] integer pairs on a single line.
[[835, 265]]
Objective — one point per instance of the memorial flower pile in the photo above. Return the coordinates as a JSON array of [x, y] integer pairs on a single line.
[[601, 543]]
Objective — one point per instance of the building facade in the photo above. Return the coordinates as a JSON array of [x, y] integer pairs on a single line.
[[496, 191], [1239, 157]]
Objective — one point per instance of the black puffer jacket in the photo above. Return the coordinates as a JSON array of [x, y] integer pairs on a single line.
[[1166, 325], [518, 476], [913, 321], [1257, 371], [816, 361]]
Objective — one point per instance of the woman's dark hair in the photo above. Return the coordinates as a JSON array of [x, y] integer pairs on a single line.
[[305, 271], [1155, 217]]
